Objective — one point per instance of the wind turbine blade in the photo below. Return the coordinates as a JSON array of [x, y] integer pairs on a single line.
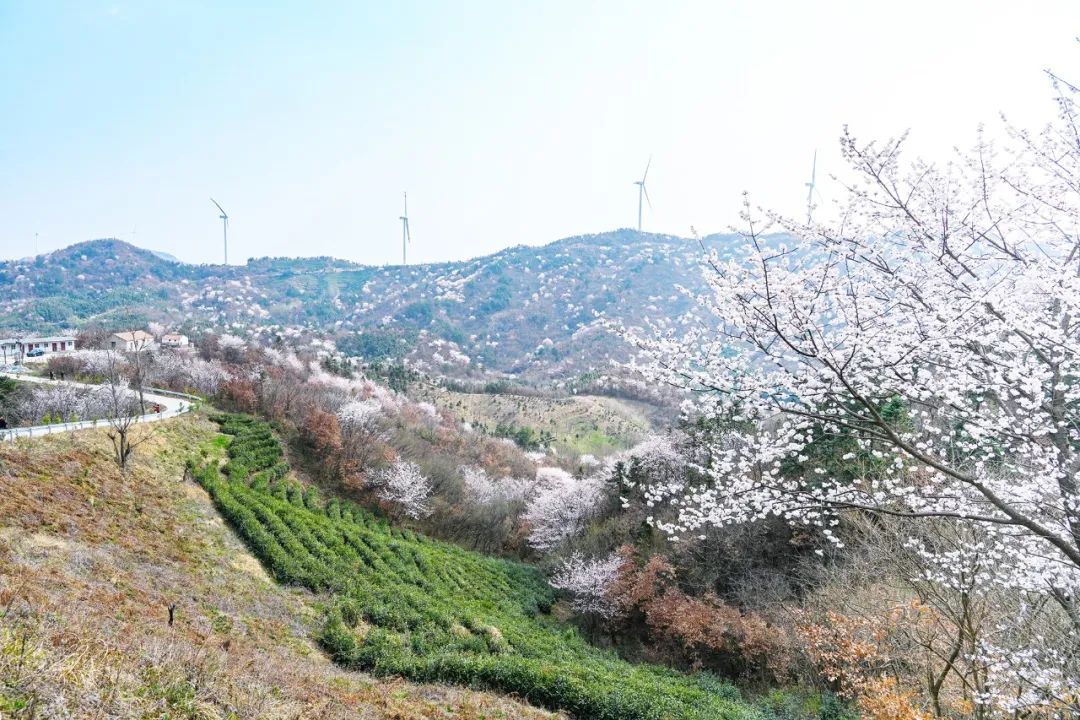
[[219, 207], [647, 165], [813, 173], [408, 232], [644, 190]]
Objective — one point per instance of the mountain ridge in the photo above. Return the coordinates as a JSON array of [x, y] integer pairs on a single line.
[[525, 311]]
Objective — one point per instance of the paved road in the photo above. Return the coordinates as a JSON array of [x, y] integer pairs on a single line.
[[172, 404]]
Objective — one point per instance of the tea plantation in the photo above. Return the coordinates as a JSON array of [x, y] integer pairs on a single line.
[[403, 604]]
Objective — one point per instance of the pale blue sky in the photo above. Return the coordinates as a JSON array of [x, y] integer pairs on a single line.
[[507, 122]]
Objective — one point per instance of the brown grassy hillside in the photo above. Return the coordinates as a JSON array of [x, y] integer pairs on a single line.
[[579, 424], [91, 561]]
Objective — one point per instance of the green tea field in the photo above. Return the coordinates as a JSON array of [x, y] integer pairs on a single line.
[[403, 604]]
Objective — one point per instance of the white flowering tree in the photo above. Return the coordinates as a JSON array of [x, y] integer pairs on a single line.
[[404, 485], [483, 489], [181, 371], [64, 403], [97, 363], [363, 434], [662, 458], [559, 506], [589, 582], [935, 326], [232, 347], [205, 376]]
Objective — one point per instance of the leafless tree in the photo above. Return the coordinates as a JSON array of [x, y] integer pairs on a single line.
[[363, 435], [122, 413], [140, 359]]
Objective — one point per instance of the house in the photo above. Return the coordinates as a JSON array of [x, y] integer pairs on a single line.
[[131, 341], [10, 350], [174, 340], [18, 349]]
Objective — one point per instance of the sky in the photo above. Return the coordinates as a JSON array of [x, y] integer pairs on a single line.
[[507, 122]]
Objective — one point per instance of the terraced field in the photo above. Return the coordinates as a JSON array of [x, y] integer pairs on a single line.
[[403, 604], [578, 424]]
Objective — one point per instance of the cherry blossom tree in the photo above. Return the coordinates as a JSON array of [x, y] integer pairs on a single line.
[[483, 489], [589, 582], [139, 357], [181, 371], [661, 458], [232, 347], [404, 485], [363, 435], [165, 369], [64, 403], [205, 376], [559, 506], [935, 325], [94, 362]]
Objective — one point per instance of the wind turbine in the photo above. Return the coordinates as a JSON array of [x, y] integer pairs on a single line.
[[406, 237], [224, 228], [811, 187], [642, 193]]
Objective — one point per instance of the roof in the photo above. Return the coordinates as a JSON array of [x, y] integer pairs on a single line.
[[133, 336], [173, 336], [37, 339]]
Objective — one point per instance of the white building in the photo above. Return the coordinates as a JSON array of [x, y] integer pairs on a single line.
[[174, 340], [131, 341], [18, 349]]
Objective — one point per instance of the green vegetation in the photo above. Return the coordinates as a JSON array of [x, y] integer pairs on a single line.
[[372, 345], [524, 436], [8, 387], [403, 604], [497, 309], [396, 375], [421, 312], [238, 648]]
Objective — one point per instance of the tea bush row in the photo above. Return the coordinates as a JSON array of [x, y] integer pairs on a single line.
[[402, 604]]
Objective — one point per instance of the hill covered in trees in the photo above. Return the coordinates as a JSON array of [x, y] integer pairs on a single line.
[[529, 312]]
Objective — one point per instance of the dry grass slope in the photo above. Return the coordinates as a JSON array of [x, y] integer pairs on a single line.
[[582, 424], [91, 561]]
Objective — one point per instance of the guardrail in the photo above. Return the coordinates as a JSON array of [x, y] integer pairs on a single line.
[[11, 434], [173, 393]]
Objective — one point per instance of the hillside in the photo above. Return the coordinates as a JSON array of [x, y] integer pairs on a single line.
[[529, 312], [93, 564], [578, 423], [405, 604], [89, 564]]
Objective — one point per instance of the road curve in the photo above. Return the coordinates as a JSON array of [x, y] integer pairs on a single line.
[[172, 404]]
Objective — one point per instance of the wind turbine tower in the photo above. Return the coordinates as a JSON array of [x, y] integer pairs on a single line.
[[642, 193], [811, 187], [224, 228], [405, 236]]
